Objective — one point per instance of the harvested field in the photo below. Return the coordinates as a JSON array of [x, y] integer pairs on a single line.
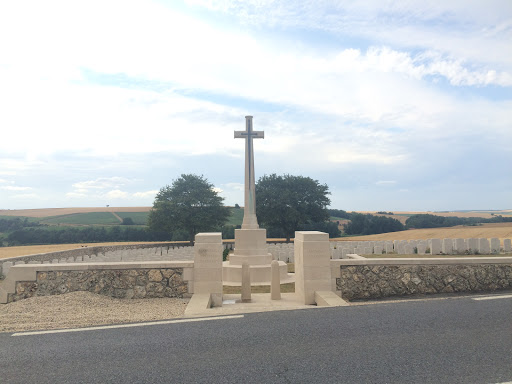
[[499, 230], [36, 249], [45, 212]]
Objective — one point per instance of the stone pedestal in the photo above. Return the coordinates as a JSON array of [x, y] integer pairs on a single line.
[[312, 265], [208, 266], [251, 247]]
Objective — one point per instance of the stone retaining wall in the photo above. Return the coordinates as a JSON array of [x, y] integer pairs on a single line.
[[378, 281], [129, 280], [130, 252], [123, 284]]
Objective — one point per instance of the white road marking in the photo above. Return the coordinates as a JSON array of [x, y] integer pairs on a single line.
[[493, 298], [127, 325]]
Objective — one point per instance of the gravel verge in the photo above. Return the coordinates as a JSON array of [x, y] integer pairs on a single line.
[[83, 309]]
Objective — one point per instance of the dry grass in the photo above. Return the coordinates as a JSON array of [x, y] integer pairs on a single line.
[[499, 230], [46, 212], [36, 249], [486, 215]]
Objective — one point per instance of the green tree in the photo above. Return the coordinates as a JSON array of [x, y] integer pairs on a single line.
[[190, 205], [127, 221], [287, 202]]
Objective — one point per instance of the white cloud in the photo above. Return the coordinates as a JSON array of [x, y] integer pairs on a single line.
[[101, 183], [15, 188], [145, 195], [26, 196], [117, 194]]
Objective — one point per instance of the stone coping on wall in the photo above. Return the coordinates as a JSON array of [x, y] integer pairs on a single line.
[[423, 261], [28, 272], [337, 263]]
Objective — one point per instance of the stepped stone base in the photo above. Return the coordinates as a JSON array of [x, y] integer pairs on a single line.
[[260, 274]]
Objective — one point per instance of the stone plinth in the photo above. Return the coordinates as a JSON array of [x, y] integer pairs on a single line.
[[251, 247], [208, 266], [312, 265]]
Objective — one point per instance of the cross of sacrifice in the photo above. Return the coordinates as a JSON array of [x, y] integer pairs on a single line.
[[250, 220]]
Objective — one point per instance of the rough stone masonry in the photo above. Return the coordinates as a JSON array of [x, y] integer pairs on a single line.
[[378, 281], [125, 284]]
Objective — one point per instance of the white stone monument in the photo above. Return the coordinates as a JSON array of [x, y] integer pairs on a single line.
[[251, 240], [208, 266]]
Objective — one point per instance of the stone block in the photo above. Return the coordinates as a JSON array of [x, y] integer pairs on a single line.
[[317, 273], [507, 245], [422, 248], [310, 236], [389, 247], [459, 246], [207, 274], [378, 249], [472, 246], [447, 247], [6, 266], [435, 246], [484, 247], [495, 245], [208, 266], [312, 264]]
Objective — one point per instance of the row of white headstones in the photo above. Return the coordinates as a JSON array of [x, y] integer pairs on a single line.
[[472, 246]]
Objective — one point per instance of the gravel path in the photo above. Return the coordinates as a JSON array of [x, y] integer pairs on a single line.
[[82, 309]]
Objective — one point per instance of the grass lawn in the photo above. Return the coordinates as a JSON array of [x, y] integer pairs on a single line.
[[237, 216], [140, 218], [89, 218]]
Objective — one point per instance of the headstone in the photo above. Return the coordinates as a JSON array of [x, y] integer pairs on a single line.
[[495, 245], [422, 248], [408, 249], [208, 266], [389, 247], [507, 245], [484, 247], [6, 266], [275, 285], [378, 249], [435, 246], [447, 247], [459, 246], [473, 246]]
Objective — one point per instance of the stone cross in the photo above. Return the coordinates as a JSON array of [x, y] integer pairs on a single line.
[[250, 220]]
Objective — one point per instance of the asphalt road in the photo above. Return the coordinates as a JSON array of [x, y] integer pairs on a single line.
[[441, 341]]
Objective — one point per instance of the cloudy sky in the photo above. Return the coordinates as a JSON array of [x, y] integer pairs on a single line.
[[394, 105]]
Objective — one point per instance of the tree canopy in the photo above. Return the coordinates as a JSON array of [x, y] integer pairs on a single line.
[[287, 202], [361, 224], [189, 205]]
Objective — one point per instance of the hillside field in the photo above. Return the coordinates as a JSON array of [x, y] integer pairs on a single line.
[[110, 216], [499, 230]]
